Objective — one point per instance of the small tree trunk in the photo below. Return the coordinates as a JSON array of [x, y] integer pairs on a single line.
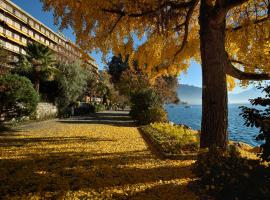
[[37, 78], [214, 60]]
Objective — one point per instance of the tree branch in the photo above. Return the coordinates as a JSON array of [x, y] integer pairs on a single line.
[[238, 74], [230, 4], [186, 26], [254, 22], [115, 24], [172, 4]]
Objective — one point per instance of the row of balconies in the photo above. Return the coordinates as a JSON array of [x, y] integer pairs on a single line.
[[20, 28]]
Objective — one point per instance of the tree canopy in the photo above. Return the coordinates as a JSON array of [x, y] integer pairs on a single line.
[[170, 29]]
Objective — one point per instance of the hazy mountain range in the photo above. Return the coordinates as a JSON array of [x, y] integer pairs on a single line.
[[193, 95]]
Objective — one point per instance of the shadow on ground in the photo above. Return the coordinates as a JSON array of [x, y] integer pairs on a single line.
[[115, 118], [18, 142], [72, 160], [57, 173]]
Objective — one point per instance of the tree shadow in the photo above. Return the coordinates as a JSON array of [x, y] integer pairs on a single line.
[[9, 131], [57, 173], [109, 118], [19, 142]]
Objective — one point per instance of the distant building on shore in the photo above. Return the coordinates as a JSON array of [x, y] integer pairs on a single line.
[[17, 28]]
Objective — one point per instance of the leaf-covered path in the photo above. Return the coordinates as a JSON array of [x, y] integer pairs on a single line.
[[87, 158]]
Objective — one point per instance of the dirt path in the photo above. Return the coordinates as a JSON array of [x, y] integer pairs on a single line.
[[101, 157]]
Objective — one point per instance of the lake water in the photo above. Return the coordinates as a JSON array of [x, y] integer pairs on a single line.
[[192, 118]]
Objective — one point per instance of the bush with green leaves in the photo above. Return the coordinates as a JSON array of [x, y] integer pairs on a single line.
[[87, 108], [17, 96], [260, 118], [147, 108], [173, 139], [228, 176], [72, 81]]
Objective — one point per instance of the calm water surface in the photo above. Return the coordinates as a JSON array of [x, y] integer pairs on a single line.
[[179, 114]]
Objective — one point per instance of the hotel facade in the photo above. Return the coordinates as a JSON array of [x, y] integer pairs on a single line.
[[17, 28]]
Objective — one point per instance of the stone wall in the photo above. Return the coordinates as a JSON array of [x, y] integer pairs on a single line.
[[45, 111]]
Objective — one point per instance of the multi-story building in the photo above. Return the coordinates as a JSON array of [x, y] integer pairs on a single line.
[[17, 28]]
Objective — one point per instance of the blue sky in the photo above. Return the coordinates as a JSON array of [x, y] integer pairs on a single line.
[[34, 7]]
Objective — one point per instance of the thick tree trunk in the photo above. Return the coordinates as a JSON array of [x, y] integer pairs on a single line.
[[214, 61]]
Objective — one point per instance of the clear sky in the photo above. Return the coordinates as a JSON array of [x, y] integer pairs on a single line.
[[34, 7]]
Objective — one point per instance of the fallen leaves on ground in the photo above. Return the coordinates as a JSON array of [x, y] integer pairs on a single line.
[[54, 160]]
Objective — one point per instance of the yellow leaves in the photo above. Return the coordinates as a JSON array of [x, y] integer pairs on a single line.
[[98, 25], [249, 43], [92, 161], [111, 26], [231, 83]]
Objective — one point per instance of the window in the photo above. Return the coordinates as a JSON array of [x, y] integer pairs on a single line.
[[1, 29], [16, 36], [37, 26], [16, 48], [9, 21], [24, 17], [9, 8], [17, 14], [37, 36], [31, 22], [42, 29], [2, 17], [8, 33], [17, 25], [24, 29], [9, 46], [24, 40], [47, 42], [30, 32], [3, 4], [42, 39]]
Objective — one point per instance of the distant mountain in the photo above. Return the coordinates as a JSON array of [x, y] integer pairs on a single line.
[[190, 94], [193, 95], [243, 97]]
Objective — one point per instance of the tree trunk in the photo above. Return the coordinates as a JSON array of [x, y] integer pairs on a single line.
[[214, 61], [37, 78]]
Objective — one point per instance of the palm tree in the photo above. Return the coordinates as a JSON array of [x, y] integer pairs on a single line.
[[41, 59], [6, 60]]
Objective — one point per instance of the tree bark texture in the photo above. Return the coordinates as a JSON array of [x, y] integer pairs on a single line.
[[214, 62]]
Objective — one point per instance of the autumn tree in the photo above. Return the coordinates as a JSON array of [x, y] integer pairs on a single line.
[[228, 37], [128, 78]]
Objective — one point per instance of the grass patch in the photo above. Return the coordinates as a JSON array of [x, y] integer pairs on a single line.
[[173, 139]]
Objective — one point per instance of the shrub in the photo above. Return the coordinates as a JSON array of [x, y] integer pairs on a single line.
[[229, 176], [94, 108], [72, 81], [17, 96], [185, 136], [261, 120], [86, 108], [147, 107], [151, 115], [173, 139]]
